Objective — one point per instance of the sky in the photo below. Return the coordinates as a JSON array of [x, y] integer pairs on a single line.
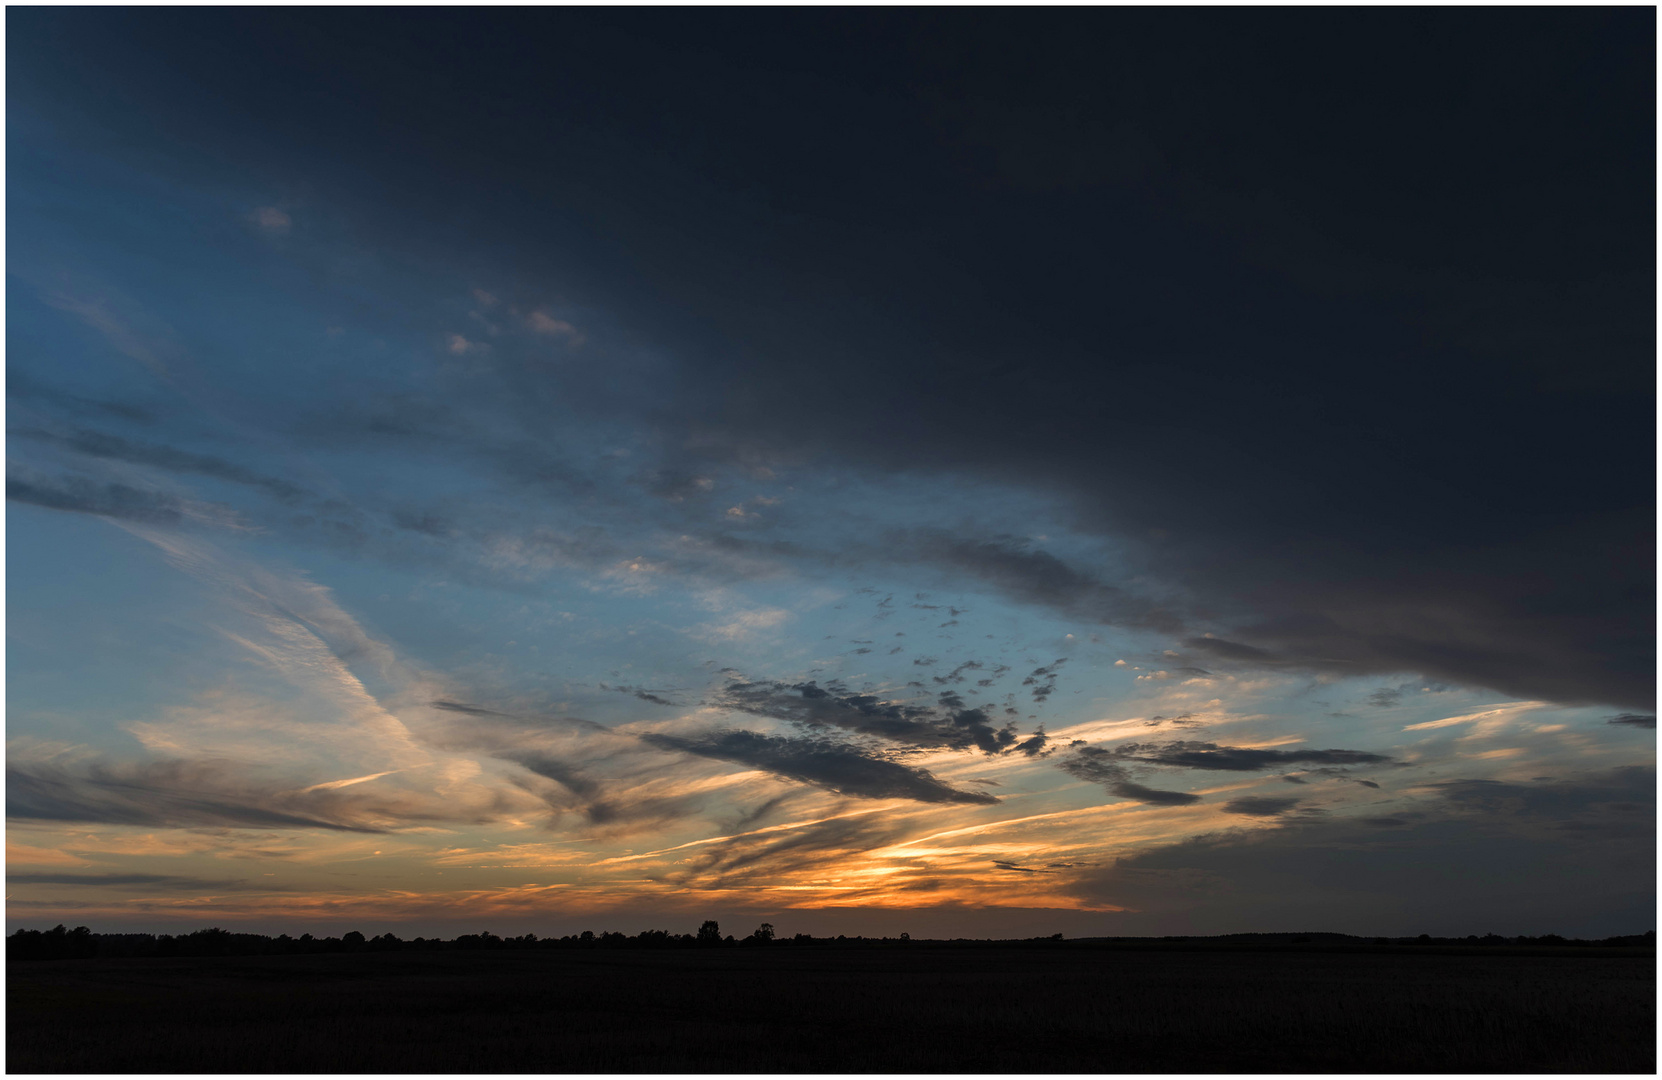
[[963, 472]]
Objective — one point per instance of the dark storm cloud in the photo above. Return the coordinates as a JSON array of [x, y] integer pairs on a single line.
[[101, 445], [1638, 720], [81, 495], [836, 766], [1311, 390], [1259, 805], [1204, 755], [949, 725], [1100, 766]]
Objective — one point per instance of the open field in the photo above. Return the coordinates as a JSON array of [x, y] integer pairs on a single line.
[[918, 1008]]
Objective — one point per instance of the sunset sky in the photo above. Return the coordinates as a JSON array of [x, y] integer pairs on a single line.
[[964, 472]]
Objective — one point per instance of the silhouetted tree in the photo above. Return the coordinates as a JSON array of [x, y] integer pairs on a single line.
[[210, 942], [763, 934], [709, 933], [54, 944]]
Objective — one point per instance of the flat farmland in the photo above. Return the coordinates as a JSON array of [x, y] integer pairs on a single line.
[[916, 1008]]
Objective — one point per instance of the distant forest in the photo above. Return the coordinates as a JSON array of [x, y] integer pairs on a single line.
[[59, 943]]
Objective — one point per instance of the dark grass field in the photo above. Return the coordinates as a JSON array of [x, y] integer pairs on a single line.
[[920, 1008]]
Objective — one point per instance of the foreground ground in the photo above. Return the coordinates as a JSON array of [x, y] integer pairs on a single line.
[[919, 1008]]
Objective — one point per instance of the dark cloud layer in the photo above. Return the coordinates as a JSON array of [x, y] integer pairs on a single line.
[[1021, 569], [1112, 769], [1617, 804], [1204, 755], [824, 763], [949, 724], [103, 445], [1259, 805], [1375, 401], [1100, 766], [1575, 854], [79, 494], [519, 718]]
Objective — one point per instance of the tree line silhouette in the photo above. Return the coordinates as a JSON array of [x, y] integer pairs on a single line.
[[59, 943]]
